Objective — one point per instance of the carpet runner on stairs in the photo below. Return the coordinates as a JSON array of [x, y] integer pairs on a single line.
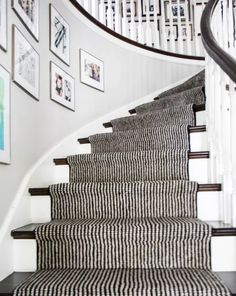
[[126, 224]]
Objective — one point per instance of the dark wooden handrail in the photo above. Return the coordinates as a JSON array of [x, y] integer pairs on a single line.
[[125, 39], [215, 51]]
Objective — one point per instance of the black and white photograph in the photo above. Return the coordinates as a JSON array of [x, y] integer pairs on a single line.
[[186, 32], [171, 32], [91, 70], [25, 64], [3, 24], [62, 87], [28, 12], [59, 36], [177, 10], [151, 7]]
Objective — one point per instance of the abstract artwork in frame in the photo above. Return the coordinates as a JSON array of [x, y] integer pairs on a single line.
[[177, 9], [91, 70], [25, 64], [62, 87], [28, 12], [3, 24], [59, 36], [4, 116], [151, 5]]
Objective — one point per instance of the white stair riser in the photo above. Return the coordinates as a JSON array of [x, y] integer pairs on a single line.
[[198, 141], [223, 250], [200, 118]]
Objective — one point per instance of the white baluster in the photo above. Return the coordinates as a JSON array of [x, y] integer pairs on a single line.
[[132, 23], [148, 28], [163, 35], [140, 23], [179, 41], [172, 31], [94, 9], [102, 13], [118, 16], [87, 5], [109, 14], [124, 19], [155, 30]]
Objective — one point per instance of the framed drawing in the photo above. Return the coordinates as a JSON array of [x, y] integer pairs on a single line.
[[25, 64], [62, 87], [59, 36], [150, 9], [28, 12], [176, 10], [91, 70], [187, 32], [3, 24], [171, 32], [4, 116], [128, 8]]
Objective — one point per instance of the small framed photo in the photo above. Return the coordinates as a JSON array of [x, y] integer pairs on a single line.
[[3, 24], [91, 70], [4, 116], [128, 9], [187, 32], [62, 87], [171, 32], [59, 36], [28, 12], [150, 9], [25, 64], [176, 10]]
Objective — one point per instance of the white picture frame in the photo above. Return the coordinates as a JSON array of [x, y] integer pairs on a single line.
[[26, 64], [176, 8], [62, 87], [28, 12], [3, 25], [91, 70], [5, 155], [59, 35]]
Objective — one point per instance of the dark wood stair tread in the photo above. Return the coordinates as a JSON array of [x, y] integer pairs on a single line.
[[8, 285], [28, 231]]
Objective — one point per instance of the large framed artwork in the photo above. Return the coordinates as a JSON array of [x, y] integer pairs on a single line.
[[62, 87], [150, 8], [4, 116], [25, 64], [28, 12], [177, 9], [91, 70], [3, 24], [59, 36]]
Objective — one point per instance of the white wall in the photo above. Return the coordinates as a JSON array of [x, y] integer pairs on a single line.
[[38, 126]]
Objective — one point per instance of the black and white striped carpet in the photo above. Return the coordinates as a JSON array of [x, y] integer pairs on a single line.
[[126, 224]]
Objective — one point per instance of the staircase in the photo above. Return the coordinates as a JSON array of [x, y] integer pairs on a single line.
[[128, 222]]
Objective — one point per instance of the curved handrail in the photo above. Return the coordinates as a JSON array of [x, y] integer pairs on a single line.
[[222, 58], [121, 37]]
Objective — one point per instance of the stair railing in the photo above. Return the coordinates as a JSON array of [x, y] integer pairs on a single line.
[[169, 25], [219, 38]]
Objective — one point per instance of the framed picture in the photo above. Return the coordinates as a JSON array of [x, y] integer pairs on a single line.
[[187, 32], [59, 36], [171, 32], [128, 9], [28, 12], [150, 9], [3, 24], [4, 116], [62, 87], [25, 64], [91, 70], [177, 10]]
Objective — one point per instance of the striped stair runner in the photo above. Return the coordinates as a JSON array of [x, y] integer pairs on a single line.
[[126, 224]]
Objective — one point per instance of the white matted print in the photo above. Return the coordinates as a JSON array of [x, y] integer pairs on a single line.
[[91, 70], [4, 116], [3, 24], [59, 36], [28, 12], [62, 87], [25, 64]]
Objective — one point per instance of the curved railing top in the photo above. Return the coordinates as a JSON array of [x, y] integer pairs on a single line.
[[215, 51], [130, 41]]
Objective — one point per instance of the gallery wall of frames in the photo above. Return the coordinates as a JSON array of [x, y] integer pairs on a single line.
[[25, 71]]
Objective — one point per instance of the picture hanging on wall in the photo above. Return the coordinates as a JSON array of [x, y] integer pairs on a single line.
[[151, 7], [4, 116], [187, 32], [25, 64], [176, 10], [128, 9], [62, 87], [3, 24], [171, 32], [28, 12], [91, 70], [59, 36]]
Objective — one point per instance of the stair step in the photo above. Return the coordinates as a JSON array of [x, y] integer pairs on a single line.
[[192, 129], [8, 285], [28, 231], [192, 155], [201, 188]]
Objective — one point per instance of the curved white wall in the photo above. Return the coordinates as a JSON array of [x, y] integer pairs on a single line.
[[38, 126]]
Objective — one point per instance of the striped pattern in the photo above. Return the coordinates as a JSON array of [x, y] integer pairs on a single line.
[[191, 96], [158, 138], [169, 116], [123, 282], [129, 166], [196, 80], [124, 243], [124, 200]]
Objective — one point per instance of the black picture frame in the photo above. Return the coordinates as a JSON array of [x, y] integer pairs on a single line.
[[151, 8], [175, 20]]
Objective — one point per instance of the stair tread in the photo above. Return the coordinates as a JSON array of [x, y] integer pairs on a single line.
[[8, 285]]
